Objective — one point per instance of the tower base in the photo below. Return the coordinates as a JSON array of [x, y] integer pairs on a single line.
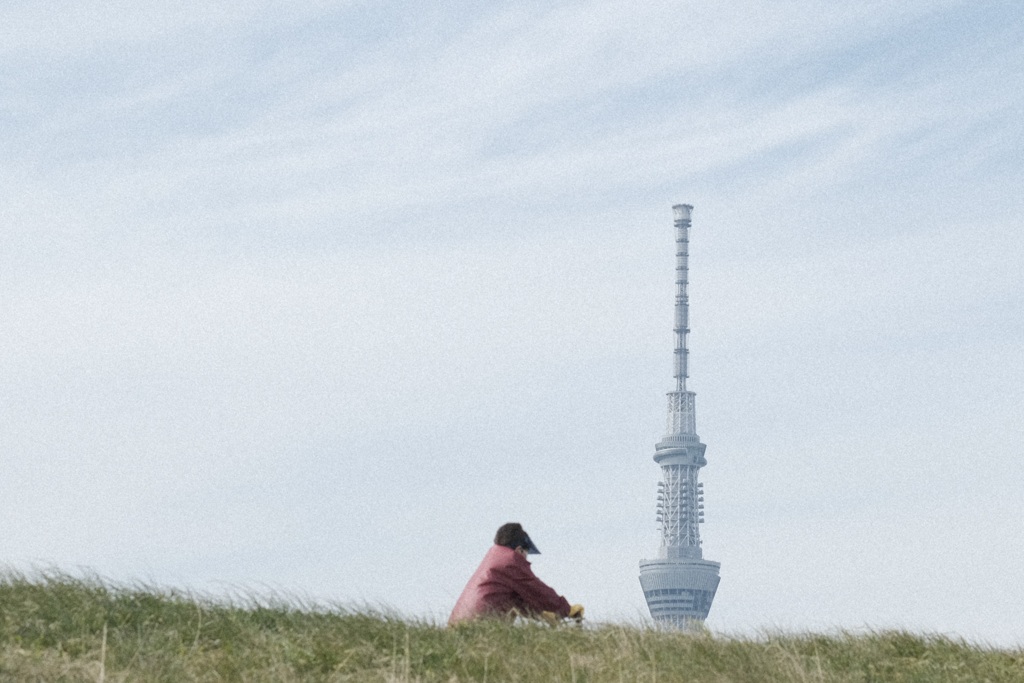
[[679, 591]]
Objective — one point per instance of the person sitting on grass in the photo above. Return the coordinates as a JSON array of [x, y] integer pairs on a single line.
[[504, 585]]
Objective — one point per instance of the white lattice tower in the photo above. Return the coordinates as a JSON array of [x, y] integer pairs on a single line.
[[680, 585]]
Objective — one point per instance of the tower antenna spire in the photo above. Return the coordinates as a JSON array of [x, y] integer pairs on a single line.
[[680, 584], [682, 223]]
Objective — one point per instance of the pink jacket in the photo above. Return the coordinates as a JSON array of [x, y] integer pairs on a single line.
[[504, 581]]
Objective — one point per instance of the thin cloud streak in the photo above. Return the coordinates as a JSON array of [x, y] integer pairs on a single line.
[[285, 290]]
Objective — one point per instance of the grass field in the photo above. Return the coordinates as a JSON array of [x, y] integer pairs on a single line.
[[61, 628]]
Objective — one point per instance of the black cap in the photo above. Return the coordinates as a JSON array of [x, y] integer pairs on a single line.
[[512, 535], [528, 545]]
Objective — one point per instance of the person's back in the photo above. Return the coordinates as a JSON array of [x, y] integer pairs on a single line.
[[504, 584]]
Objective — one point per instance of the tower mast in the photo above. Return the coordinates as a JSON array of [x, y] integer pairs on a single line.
[[679, 585]]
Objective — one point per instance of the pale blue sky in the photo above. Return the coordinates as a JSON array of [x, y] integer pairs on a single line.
[[313, 297]]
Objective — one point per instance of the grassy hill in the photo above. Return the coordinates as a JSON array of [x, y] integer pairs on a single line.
[[61, 628]]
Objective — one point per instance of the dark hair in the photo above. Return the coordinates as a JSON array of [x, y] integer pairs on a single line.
[[511, 535]]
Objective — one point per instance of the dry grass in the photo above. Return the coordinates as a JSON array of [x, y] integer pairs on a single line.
[[60, 628]]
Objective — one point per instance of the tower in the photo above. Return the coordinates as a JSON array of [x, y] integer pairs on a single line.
[[680, 584]]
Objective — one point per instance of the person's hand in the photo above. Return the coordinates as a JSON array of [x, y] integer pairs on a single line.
[[550, 617], [576, 612]]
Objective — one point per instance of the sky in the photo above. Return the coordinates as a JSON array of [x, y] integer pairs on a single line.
[[307, 299]]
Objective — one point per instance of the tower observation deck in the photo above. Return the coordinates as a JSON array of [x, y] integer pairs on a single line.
[[680, 584]]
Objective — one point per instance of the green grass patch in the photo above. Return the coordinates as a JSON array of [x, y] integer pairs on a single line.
[[57, 627]]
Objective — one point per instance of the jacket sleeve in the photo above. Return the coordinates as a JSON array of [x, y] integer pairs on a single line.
[[535, 594]]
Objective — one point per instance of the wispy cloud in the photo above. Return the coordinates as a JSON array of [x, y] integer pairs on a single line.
[[303, 273]]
